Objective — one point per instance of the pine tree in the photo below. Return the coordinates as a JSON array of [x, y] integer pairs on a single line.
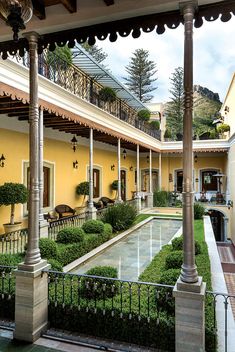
[[98, 53], [175, 107], [141, 70]]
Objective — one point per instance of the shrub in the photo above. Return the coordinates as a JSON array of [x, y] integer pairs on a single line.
[[199, 211], [144, 115], [155, 125], [108, 230], [93, 226], [167, 134], [48, 248], [174, 260], [223, 128], [161, 198], [71, 252], [70, 235], [55, 265], [10, 260], [120, 216], [165, 299], [107, 94], [98, 288], [177, 245]]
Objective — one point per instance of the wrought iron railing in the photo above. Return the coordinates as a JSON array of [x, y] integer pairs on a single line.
[[134, 312], [71, 221], [222, 319], [13, 242], [7, 294], [74, 80]]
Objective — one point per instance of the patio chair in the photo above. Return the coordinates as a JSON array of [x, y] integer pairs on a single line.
[[64, 210], [106, 201]]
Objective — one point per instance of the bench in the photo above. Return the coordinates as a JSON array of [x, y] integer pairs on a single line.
[[64, 210]]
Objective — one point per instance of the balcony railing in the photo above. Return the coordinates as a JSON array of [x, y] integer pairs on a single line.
[[74, 80]]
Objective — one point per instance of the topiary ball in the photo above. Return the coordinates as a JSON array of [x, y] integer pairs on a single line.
[[93, 226]]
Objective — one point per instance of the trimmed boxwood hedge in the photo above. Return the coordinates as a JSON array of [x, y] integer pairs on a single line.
[[153, 273], [177, 244], [174, 260], [70, 235], [93, 226]]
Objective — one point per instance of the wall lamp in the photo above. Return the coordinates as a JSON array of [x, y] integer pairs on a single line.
[[124, 154], [16, 13], [112, 167], [131, 168], [2, 161], [230, 204], [147, 158], [195, 158], [75, 164], [74, 143]]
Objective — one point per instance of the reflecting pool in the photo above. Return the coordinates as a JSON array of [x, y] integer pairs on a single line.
[[133, 253]]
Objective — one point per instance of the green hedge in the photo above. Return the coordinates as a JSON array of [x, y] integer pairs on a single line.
[[174, 260], [155, 270], [70, 235], [48, 248], [161, 198], [177, 244], [93, 226]]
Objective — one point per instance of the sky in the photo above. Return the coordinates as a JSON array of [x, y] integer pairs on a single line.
[[214, 56]]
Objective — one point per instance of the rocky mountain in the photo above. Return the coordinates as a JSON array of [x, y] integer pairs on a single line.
[[205, 92]]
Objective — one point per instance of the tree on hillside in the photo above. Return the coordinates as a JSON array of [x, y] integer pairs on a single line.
[[175, 107], [140, 75], [206, 110], [98, 53]]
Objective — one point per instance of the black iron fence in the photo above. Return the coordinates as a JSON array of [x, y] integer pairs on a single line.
[[71, 221], [134, 312], [74, 80], [222, 319], [7, 294], [13, 242]]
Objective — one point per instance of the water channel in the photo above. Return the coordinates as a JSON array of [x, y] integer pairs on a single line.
[[133, 253]]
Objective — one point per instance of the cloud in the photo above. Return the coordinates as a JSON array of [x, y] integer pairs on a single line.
[[214, 55]]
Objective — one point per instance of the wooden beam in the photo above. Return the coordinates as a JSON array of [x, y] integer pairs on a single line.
[[109, 2], [39, 9], [70, 5]]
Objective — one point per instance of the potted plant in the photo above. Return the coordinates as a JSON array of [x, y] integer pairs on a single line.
[[83, 189], [12, 194], [107, 94], [167, 135], [114, 187], [221, 129], [144, 115], [155, 125]]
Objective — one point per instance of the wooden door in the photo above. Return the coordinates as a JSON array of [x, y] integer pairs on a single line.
[[123, 184]]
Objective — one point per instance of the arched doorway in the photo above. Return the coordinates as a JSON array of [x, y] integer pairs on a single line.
[[218, 224]]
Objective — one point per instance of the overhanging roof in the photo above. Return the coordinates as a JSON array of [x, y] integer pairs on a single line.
[[89, 65], [94, 18]]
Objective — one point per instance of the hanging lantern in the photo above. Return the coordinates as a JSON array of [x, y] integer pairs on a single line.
[[16, 13]]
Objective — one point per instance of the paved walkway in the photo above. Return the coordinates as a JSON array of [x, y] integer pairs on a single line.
[[227, 257], [7, 344]]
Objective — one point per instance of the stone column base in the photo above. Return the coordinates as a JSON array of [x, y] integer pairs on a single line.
[[149, 200], [31, 301], [138, 203], [92, 213], [43, 228], [189, 316]]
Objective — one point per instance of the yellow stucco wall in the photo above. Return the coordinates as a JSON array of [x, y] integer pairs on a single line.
[[228, 107], [171, 164], [232, 190], [14, 145]]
